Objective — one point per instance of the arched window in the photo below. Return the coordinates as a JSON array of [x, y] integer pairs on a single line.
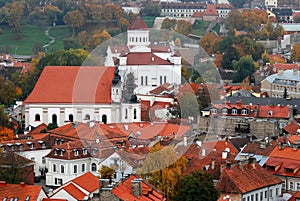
[[213, 111], [134, 114], [117, 92], [62, 169], [234, 111], [244, 112], [224, 111], [37, 117], [54, 119], [87, 117], [54, 168], [94, 167], [104, 119], [71, 117]]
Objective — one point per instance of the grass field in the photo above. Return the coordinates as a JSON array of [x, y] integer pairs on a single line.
[[199, 27], [31, 35], [149, 20]]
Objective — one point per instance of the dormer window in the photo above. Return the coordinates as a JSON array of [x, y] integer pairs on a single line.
[[87, 117], [234, 111], [94, 151], [55, 151], [62, 152], [84, 151], [3, 149], [213, 111], [270, 113], [75, 152], [244, 112], [224, 111]]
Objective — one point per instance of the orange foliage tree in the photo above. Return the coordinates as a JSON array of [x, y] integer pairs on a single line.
[[6, 134], [210, 42]]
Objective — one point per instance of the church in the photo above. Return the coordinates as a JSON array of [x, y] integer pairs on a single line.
[[66, 94], [152, 63]]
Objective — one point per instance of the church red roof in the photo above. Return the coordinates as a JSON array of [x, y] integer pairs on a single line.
[[145, 58], [138, 24], [73, 84]]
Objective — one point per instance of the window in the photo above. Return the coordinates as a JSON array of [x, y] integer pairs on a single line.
[[126, 113], [134, 114], [76, 152], [165, 79], [291, 187], [75, 169], [54, 119], [142, 80], [104, 119], [224, 111], [87, 117], [94, 167], [37, 117], [297, 186], [261, 195], [213, 111], [160, 80], [58, 181], [266, 194], [146, 80], [234, 111], [82, 167], [53, 167], [277, 191], [256, 196], [62, 169], [270, 113], [71, 117], [283, 185], [117, 91], [271, 193], [244, 112], [252, 197], [43, 160]]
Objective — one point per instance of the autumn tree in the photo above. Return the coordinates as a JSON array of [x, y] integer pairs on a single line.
[[14, 19], [197, 186], [163, 169], [210, 42], [6, 134], [74, 19], [106, 172], [184, 27], [169, 24], [234, 20], [7, 92], [296, 52], [4, 119], [100, 37], [265, 58]]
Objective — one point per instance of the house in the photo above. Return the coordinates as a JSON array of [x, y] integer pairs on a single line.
[[282, 84], [210, 14], [83, 187], [132, 188], [248, 181], [284, 163], [283, 14], [21, 191], [151, 63], [61, 96]]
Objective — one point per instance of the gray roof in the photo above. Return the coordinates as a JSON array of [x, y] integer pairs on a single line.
[[287, 75]]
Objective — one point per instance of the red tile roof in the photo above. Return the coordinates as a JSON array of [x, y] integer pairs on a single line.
[[74, 191], [138, 24], [90, 186], [123, 191], [284, 66], [211, 10], [69, 84], [255, 148], [277, 166], [292, 128], [277, 111], [145, 58], [286, 153], [242, 180], [295, 196], [20, 191]]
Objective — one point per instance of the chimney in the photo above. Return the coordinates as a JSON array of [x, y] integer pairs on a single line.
[[203, 152], [2, 183], [136, 187], [213, 163], [22, 184], [103, 183], [252, 161], [224, 154], [91, 123], [185, 141]]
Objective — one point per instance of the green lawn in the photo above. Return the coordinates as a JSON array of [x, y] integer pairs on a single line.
[[31, 35], [199, 27]]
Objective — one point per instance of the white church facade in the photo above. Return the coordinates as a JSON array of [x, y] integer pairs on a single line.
[[65, 94]]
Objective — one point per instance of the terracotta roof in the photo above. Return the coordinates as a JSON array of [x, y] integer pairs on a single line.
[[20, 191], [69, 84], [145, 58], [138, 24], [277, 111], [286, 153], [242, 180], [277, 166], [123, 191], [295, 196], [162, 88], [160, 48], [284, 66], [255, 148], [74, 191], [53, 199], [292, 128], [211, 10]]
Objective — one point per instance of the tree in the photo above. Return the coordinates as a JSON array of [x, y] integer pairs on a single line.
[[234, 20], [152, 10], [71, 43], [265, 58], [100, 37], [7, 92], [296, 52], [6, 134], [237, 3], [197, 186], [4, 119], [177, 42], [244, 67], [169, 24], [210, 42], [230, 54], [184, 27], [74, 19], [106, 172], [163, 168]]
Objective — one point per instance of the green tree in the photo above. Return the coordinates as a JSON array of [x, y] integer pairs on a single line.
[[152, 10], [237, 3], [230, 54], [244, 67], [169, 24], [197, 186], [7, 92], [4, 119]]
